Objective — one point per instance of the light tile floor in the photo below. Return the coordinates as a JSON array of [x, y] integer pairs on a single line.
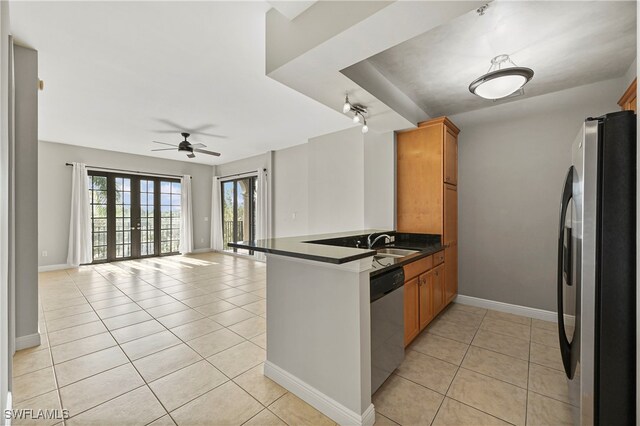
[[474, 366], [181, 340], [162, 341]]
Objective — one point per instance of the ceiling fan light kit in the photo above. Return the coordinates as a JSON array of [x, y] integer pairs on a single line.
[[358, 111], [501, 82], [188, 147]]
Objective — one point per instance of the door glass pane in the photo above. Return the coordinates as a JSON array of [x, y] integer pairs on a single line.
[[238, 211], [170, 217], [123, 216], [147, 197], [228, 197]]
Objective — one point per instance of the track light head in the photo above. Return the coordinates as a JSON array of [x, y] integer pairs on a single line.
[[347, 105], [356, 118]]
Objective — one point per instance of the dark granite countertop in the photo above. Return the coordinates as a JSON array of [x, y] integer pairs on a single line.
[[302, 248], [343, 247]]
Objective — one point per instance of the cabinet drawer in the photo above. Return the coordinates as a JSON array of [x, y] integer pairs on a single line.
[[418, 267], [438, 258]]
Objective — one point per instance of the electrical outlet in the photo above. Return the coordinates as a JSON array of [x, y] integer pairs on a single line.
[[202, 240], [44, 253], [206, 219]]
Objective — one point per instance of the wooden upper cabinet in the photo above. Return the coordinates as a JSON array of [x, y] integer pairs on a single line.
[[426, 158], [419, 180], [450, 234], [628, 101], [450, 157]]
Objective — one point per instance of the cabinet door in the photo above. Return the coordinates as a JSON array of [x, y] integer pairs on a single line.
[[411, 315], [425, 284], [451, 272], [419, 180], [450, 157], [450, 214], [439, 300]]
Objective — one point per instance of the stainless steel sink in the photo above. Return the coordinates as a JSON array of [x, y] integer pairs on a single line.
[[395, 252]]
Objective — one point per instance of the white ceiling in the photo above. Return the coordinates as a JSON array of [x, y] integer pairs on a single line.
[[566, 43], [115, 72]]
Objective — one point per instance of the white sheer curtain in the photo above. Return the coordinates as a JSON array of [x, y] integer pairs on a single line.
[[216, 216], [263, 217], [186, 216], [80, 245]]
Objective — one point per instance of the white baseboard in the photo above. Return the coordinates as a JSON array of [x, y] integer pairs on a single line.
[[525, 311], [46, 268], [28, 341], [7, 409], [326, 405]]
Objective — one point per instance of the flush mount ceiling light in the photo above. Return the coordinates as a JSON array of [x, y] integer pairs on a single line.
[[500, 82], [358, 111]]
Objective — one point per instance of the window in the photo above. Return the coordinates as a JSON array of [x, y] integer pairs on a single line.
[[238, 211]]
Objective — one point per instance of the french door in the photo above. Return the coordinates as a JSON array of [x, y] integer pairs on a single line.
[[133, 216], [239, 211]]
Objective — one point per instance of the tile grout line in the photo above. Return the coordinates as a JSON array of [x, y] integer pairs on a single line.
[[457, 370], [144, 380]]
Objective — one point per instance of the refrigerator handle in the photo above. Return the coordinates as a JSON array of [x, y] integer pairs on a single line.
[[565, 346]]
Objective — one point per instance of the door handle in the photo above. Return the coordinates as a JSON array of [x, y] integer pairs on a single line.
[[565, 346]]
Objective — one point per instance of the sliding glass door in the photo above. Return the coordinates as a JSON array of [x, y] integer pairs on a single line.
[[238, 211], [125, 219]]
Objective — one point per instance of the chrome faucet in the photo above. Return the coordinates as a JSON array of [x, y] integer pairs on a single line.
[[372, 243]]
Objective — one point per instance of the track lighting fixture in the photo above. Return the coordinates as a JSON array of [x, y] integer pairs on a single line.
[[358, 111]]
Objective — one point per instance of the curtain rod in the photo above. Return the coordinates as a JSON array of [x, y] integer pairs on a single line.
[[238, 174], [129, 171]]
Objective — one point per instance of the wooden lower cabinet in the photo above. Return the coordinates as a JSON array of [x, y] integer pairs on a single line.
[[411, 310], [451, 272], [425, 283], [439, 299], [425, 294]]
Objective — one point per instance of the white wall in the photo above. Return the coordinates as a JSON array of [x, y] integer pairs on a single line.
[[6, 338], [26, 196], [54, 192], [342, 181], [379, 181], [513, 159], [336, 182], [291, 196]]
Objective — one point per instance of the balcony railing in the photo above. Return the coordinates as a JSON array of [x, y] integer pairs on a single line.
[[227, 234]]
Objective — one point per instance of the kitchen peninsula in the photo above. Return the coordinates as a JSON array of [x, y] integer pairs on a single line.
[[319, 317]]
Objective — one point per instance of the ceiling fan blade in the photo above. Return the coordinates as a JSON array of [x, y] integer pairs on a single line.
[[198, 145], [208, 134], [164, 143], [202, 151], [203, 127], [164, 149], [191, 155]]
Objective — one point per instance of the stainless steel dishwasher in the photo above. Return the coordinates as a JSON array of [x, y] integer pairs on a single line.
[[387, 325]]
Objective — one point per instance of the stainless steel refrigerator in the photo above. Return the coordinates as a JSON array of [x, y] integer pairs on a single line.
[[597, 272]]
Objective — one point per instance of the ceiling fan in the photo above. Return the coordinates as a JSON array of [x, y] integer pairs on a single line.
[[188, 147]]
